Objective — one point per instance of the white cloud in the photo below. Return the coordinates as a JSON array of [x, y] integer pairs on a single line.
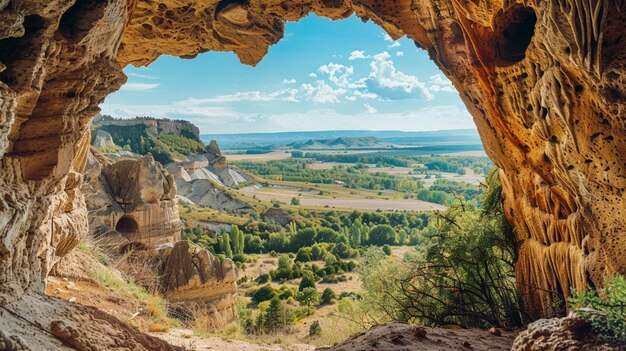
[[400, 53], [369, 109], [340, 75], [143, 76], [139, 87], [358, 55], [240, 96], [213, 119], [289, 81], [312, 75], [385, 76], [394, 43], [440, 83], [321, 93]]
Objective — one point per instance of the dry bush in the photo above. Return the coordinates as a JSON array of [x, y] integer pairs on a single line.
[[142, 267]]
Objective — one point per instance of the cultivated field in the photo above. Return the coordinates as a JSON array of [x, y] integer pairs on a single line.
[[285, 194], [272, 156]]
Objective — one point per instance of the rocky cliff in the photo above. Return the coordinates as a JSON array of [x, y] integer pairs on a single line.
[[155, 126], [544, 81]]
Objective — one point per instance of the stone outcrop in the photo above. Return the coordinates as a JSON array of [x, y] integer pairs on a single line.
[[205, 285], [103, 140], [132, 202], [133, 205], [570, 333], [544, 81]]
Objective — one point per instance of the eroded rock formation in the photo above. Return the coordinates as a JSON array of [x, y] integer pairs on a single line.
[[132, 202], [205, 285], [544, 81]]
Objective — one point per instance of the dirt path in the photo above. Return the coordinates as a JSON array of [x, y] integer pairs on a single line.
[[186, 339]]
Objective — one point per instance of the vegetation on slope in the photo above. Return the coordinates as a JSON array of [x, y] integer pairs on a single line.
[[164, 148]]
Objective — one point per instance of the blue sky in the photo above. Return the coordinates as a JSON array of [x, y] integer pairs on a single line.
[[323, 75]]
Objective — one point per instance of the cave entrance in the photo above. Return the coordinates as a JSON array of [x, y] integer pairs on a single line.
[[127, 225]]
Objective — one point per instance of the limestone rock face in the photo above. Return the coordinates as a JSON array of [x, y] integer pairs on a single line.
[[544, 81], [200, 281]]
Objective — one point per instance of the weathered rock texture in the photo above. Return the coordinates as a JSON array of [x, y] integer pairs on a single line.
[[570, 333], [134, 201], [544, 81], [204, 284]]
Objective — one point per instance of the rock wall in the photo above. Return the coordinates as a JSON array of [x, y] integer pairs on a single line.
[[544, 81]]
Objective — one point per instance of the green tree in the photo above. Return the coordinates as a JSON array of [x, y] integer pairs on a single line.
[[355, 233], [225, 245], [237, 240], [295, 201], [308, 297], [382, 234], [327, 235], [303, 237]]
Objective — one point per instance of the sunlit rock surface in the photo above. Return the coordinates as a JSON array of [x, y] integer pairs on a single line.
[[544, 81]]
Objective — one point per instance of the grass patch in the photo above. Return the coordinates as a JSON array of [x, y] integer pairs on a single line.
[[154, 305]]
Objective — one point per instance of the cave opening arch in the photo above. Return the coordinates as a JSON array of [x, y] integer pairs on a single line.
[[551, 119]]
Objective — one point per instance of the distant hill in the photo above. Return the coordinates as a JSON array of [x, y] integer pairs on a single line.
[[281, 139], [341, 143], [167, 140]]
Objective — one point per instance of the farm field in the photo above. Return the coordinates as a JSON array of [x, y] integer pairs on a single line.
[[286, 194]]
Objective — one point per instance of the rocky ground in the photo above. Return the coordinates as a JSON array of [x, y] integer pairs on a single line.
[[404, 337]]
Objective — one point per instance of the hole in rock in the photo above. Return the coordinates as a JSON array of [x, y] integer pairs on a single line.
[[513, 31], [127, 225], [226, 3], [12, 48], [76, 22]]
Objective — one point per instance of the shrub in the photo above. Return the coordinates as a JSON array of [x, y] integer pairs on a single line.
[[315, 329], [609, 318], [328, 295], [263, 278], [304, 255], [462, 276], [387, 250], [264, 293], [295, 201]]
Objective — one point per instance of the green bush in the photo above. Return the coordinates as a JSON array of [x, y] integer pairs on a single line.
[[308, 281], [609, 318], [315, 329], [328, 295], [264, 293]]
